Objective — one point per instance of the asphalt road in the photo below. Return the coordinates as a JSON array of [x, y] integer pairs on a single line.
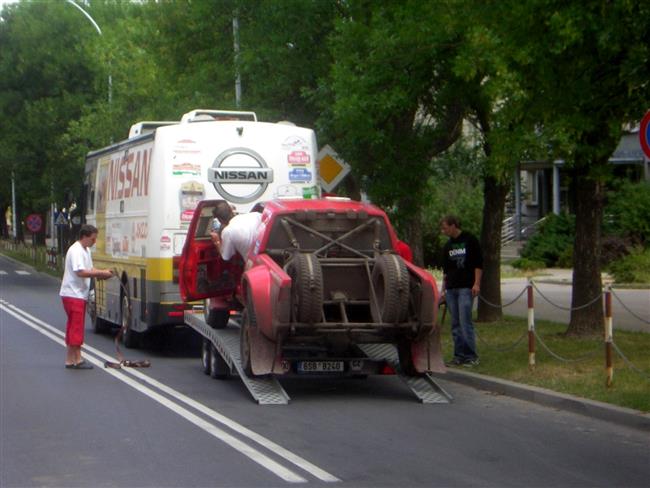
[[172, 426], [552, 301]]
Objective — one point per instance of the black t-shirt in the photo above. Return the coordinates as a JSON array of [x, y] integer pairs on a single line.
[[461, 256]]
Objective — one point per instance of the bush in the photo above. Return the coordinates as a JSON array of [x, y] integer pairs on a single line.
[[526, 264], [553, 240], [633, 268], [627, 211], [614, 248]]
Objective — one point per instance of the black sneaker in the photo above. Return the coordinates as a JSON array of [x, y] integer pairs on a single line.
[[471, 363], [455, 362]]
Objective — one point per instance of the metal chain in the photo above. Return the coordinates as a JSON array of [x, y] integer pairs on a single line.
[[629, 363], [560, 358], [626, 308], [596, 298], [505, 304], [500, 349]]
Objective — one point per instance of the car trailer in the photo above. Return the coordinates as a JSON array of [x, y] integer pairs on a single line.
[[220, 355]]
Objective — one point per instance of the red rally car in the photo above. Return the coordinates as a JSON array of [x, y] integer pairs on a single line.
[[322, 278]]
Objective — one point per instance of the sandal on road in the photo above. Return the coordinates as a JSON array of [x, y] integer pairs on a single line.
[[81, 365]]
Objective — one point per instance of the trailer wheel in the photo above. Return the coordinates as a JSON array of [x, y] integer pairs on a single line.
[[218, 318], [219, 368], [306, 288], [130, 338], [390, 279], [205, 356], [248, 321], [405, 355]]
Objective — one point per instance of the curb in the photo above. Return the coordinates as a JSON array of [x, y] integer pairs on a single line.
[[600, 410]]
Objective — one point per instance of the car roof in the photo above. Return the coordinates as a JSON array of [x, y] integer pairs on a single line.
[[321, 205]]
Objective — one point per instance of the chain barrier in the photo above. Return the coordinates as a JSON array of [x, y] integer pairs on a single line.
[[618, 299], [504, 304], [568, 309], [563, 359], [534, 336], [628, 363]]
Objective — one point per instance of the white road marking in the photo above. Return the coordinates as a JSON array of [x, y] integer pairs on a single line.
[[22, 272], [3, 272], [249, 451]]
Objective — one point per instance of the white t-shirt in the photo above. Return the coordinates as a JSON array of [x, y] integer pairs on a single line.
[[239, 234], [76, 259]]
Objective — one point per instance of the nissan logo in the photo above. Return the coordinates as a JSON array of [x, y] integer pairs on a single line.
[[240, 175]]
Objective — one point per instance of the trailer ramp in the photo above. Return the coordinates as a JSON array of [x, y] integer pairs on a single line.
[[265, 390], [424, 387]]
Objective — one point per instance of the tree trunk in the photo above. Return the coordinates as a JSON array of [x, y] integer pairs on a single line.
[[587, 283], [494, 198], [414, 237]]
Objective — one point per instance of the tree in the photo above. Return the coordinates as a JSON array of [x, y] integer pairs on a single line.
[[585, 69], [392, 102]]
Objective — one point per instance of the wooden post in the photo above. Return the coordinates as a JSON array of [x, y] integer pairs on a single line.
[[531, 325], [609, 336]]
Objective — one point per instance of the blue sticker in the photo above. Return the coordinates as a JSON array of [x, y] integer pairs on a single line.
[[300, 175]]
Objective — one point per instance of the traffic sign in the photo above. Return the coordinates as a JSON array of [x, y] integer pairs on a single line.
[[60, 219], [331, 168], [644, 134], [34, 223]]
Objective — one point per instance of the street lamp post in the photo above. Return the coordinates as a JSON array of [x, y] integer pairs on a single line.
[[99, 31]]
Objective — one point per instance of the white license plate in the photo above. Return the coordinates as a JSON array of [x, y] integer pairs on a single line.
[[320, 366]]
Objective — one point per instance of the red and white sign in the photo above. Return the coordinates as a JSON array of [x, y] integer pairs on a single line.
[[644, 134], [34, 223]]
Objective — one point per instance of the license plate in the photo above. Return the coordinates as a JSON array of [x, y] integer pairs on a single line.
[[320, 366]]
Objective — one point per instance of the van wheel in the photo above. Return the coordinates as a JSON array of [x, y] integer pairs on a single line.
[[219, 368], [205, 356], [248, 321], [390, 279], [306, 288], [130, 338], [217, 318], [100, 326]]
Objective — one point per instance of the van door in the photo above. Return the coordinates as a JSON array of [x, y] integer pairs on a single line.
[[202, 271]]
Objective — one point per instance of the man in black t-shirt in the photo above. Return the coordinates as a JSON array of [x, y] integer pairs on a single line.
[[462, 267]]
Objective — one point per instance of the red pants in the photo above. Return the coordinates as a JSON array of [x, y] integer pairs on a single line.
[[75, 309]]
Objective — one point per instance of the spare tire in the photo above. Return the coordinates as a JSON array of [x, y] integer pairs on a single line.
[[306, 288], [390, 280]]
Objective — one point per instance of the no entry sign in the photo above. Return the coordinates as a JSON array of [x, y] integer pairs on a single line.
[[644, 134]]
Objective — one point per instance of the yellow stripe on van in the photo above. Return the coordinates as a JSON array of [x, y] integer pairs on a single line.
[[159, 269]]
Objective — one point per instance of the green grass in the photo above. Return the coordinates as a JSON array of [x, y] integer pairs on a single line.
[[585, 378]]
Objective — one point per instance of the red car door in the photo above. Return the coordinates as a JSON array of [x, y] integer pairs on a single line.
[[202, 271]]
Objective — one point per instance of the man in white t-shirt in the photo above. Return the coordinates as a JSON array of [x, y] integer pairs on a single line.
[[237, 232], [74, 293]]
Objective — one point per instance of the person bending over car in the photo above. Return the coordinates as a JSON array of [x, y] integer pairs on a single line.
[[233, 233]]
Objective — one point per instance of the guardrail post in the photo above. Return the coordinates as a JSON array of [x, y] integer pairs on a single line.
[[531, 325], [609, 335]]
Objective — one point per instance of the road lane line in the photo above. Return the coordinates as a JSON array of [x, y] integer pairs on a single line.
[[233, 425], [21, 272], [245, 449]]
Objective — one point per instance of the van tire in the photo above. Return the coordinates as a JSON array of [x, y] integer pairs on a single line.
[[306, 288], [390, 279], [130, 339]]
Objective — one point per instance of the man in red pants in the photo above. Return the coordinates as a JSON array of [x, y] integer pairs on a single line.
[[74, 293]]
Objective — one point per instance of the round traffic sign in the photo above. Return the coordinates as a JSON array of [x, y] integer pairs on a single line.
[[644, 134], [34, 223]]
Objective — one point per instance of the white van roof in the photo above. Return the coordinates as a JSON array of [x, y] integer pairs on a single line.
[[206, 115]]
